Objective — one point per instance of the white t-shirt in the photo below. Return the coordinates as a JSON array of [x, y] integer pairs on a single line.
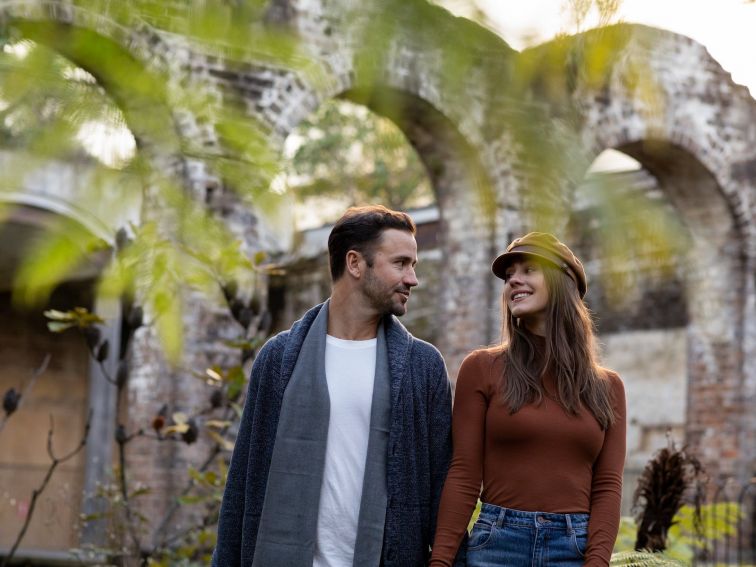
[[350, 372]]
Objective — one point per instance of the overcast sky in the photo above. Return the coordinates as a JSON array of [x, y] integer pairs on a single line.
[[726, 27]]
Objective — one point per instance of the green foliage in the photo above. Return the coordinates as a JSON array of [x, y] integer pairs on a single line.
[[66, 93], [642, 559], [352, 155], [60, 82], [78, 317], [474, 517], [717, 522], [546, 82], [636, 237], [67, 246], [660, 494], [47, 100]]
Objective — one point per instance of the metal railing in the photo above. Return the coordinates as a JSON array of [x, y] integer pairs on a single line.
[[728, 532]]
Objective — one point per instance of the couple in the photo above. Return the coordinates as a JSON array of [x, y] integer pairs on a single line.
[[346, 437]]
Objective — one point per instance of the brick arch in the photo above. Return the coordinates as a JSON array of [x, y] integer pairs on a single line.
[[716, 290], [463, 195], [411, 83], [701, 150], [122, 53], [700, 109]]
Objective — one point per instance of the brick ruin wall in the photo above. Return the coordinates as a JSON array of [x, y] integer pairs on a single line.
[[701, 150]]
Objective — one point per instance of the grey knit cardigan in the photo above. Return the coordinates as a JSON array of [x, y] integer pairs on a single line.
[[419, 446]]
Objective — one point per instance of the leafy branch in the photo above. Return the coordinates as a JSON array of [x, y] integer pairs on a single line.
[[161, 534], [214, 418]]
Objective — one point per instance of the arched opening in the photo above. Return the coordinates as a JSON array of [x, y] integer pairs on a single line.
[[56, 399], [66, 153], [655, 230], [637, 295], [346, 155], [453, 291], [714, 280], [65, 145]]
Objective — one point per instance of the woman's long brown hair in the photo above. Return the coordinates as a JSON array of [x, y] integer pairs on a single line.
[[569, 355]]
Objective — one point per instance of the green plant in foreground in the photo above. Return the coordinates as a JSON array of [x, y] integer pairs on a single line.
[[641, 559], [718, 521]]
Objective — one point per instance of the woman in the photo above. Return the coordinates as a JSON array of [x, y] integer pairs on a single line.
[[539, 424]]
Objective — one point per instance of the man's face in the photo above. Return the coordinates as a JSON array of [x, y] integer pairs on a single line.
[[386, 285]]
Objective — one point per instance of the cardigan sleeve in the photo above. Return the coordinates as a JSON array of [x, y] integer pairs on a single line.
[[228, 546], [606, 486], [439, 426]]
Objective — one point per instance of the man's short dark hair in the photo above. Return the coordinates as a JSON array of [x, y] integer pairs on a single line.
[[360, 229]]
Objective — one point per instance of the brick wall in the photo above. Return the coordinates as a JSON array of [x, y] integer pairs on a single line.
[[700, 147]]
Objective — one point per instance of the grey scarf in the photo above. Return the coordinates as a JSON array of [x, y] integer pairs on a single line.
[[288, 525]]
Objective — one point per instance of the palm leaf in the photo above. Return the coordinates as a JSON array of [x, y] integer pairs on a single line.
[[641, 559]]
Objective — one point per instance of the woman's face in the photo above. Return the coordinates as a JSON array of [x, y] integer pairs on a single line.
[[526, 294]]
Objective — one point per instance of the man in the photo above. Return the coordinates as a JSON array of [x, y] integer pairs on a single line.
[[344, 442]]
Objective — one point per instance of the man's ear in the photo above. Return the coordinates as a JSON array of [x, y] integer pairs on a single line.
[[355, 263]]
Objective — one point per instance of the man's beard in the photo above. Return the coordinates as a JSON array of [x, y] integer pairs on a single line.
[[381, 298]]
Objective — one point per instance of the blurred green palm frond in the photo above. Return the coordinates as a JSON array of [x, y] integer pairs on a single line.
[[69, 95], [642, 559]]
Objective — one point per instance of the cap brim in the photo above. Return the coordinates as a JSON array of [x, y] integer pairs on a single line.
[[503, 261]]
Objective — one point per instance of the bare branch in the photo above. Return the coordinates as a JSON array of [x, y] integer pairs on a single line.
[[122, 441], [27, 388], [161, 538], [39, 490], [161, 535]]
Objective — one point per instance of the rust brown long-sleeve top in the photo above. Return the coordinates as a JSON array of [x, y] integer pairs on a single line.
[[537, 459]]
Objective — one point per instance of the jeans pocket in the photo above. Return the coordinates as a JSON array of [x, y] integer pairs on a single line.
[[480, 535], [580, 541]]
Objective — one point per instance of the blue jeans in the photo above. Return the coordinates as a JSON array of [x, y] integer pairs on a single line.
[[511, 538]]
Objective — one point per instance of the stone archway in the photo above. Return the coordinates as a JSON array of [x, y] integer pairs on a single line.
[[113, 52], [68, 389], [697, 143], [408, 83], [118, 55], [714, 283], [460, 187]]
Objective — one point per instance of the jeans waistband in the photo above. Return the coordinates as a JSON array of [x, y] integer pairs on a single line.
[[497, 515]]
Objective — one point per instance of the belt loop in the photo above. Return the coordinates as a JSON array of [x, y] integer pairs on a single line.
[[500, 519], [569, 522]]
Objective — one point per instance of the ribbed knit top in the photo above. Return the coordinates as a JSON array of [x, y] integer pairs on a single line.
[[539, 459]]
